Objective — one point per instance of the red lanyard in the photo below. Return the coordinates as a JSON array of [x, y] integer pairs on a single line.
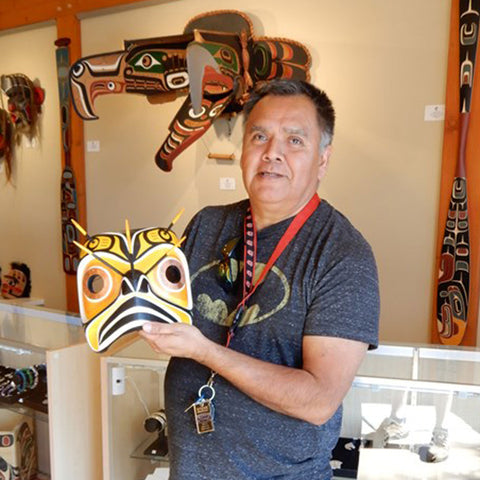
[[250, 255]]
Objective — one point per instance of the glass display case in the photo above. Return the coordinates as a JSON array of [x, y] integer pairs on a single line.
[[48, 349], [431, 384], [415, 410]]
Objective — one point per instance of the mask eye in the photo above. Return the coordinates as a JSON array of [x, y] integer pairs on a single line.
[[97, 283], [78, 69], [146, 61], [170, 274]]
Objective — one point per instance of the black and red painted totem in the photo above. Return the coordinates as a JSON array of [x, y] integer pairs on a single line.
[[453, 291], [68, 189], [217, 60]]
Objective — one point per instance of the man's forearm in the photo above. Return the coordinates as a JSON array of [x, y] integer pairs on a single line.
[[311, 393], [291, 391]]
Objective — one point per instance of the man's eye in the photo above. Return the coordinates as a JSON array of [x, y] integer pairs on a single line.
[[296, 141], [259, 137]]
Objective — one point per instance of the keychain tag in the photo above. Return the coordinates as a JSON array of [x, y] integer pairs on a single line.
[[203, 409], [204, 417]]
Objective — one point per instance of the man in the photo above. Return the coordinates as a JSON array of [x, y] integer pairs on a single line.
[[270, 386]]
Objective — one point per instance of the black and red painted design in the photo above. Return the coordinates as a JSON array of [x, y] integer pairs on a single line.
[[217, 60], [454, 273], [24, 104], [68, 189], [17, 453]]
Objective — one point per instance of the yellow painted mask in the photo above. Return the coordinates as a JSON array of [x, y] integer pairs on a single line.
[[126, 280]]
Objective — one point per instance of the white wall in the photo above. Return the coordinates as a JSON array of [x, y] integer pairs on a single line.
[[30, 225], [381, 61]]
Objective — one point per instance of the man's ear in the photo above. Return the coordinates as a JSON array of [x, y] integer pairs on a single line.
[[323, 162]]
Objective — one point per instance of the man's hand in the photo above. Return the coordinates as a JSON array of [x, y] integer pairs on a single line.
[[176, 340]]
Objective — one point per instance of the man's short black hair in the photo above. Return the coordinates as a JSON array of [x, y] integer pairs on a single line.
[[284, 87]]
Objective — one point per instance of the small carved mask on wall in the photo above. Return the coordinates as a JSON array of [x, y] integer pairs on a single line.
[[16, 282]]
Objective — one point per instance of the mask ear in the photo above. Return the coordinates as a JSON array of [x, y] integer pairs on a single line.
[[323, 162]]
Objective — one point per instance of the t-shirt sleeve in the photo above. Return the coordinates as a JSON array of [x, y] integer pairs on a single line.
[[345, 301]]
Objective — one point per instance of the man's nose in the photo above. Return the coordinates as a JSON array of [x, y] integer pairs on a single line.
[[273, 151]]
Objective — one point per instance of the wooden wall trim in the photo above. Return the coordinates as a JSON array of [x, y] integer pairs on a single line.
[[18, 13]]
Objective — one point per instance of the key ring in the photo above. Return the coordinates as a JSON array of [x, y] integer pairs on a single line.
[[201, 395]]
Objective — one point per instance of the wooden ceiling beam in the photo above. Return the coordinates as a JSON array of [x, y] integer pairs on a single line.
[[19, 13]]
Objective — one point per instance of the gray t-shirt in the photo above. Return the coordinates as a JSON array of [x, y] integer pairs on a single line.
[[325, 283]]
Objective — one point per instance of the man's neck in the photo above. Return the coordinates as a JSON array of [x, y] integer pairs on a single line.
[[265, 216]]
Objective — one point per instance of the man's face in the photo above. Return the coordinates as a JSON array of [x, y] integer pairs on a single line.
[[13, 284], [281, 159]]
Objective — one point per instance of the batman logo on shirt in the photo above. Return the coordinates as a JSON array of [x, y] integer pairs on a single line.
[[216, 310]]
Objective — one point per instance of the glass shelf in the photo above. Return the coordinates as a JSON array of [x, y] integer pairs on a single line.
[[33, 327], [139, 452]]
